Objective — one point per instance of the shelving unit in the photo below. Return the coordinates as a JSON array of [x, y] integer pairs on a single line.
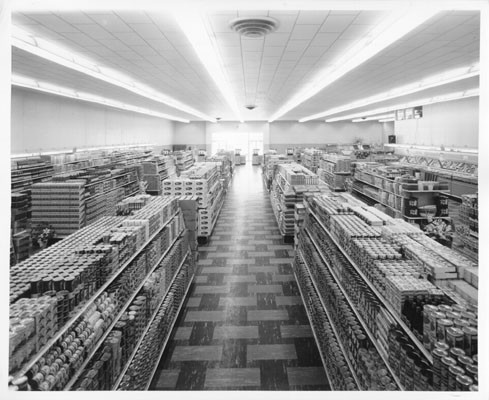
[[372, 288], [334, 170], [330, 320], [170, 227], [156, 170], [393, 194]]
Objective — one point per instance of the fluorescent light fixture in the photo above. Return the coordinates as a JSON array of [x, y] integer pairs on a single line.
[[46, 87], [443, 78], [82, 149], [421, 102], [196, 27], [52, 52], [397, 24], [433, 148], [386, 120], [374, 118]]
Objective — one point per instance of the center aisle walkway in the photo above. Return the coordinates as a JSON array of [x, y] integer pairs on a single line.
[[244, 325]]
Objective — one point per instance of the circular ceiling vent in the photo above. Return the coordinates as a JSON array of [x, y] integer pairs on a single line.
[[254, 27]]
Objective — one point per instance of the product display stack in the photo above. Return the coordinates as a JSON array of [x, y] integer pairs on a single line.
[[334, 170], [394, 301], [290, 183], [84, 312], [184, 160], [73, 200], [155, 171], [225, 169], [270, 165], [311, 159], [201, 180]]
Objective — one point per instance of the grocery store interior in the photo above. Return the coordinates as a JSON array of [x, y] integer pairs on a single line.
[[245, 196]]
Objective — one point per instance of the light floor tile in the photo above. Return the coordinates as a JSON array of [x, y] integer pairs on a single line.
[[235, 332], [267, 315], [201, 289], [197, 353], [205, 316], [183, 333], [288, 300], [295, 331], [265, 268], [238, 301], [283, 278], [265, 289], [217, 270], [194, 301], [255, 352], [281, 260], [242, 261], [240, 278], [232, 377]]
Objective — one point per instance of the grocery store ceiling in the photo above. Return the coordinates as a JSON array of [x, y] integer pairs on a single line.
[[150, 48]]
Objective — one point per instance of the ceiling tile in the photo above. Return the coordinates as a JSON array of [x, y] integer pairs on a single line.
[[304, 31], [111, 22], [134, 17], [147, 31], [315, 17], [337, 23]]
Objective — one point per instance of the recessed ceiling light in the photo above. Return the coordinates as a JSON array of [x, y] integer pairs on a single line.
[[397, 24], [52, 52], [50, 88], [444, 78], [254, 27], [420, 102]]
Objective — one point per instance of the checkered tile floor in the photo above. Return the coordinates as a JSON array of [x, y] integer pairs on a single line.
[[243, 326]]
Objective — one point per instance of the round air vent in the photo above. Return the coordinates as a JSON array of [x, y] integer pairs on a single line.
[[254, 27]]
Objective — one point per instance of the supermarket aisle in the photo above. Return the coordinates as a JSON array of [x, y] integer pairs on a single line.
[[244, 325]]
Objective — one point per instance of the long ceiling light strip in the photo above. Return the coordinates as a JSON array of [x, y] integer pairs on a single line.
[[392, 28], [374, 118], [52, 52], [386, 120], [444, 78], [421, 102], [45, 87], [196, 28]]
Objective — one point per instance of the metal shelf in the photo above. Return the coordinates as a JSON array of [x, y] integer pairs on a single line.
[[377, 187], [353, 307], [83, 308], [313, 330], [75, 377], [169, 332], [340, 342], [128, 362], [379, 296], [373, 198]]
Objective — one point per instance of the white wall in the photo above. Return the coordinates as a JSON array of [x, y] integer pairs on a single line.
[[43, 122], [317, 133], [453, 123], [193, 134], [199, 134]]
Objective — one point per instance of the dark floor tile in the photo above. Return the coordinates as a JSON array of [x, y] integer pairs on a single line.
[[192, 376], [266, 301], [167, 354], [262, 278], [209, 301], [234, 354], [290, 288], [269, 332], [273, 375], [261, 247], [285, 269], [240, 270], [201, 334], [215, 279], [297, 315], [236, 315], [238, 289], [307, 352], [281, 253]]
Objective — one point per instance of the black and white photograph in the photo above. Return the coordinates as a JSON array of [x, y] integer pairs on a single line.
[[244, 198]]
